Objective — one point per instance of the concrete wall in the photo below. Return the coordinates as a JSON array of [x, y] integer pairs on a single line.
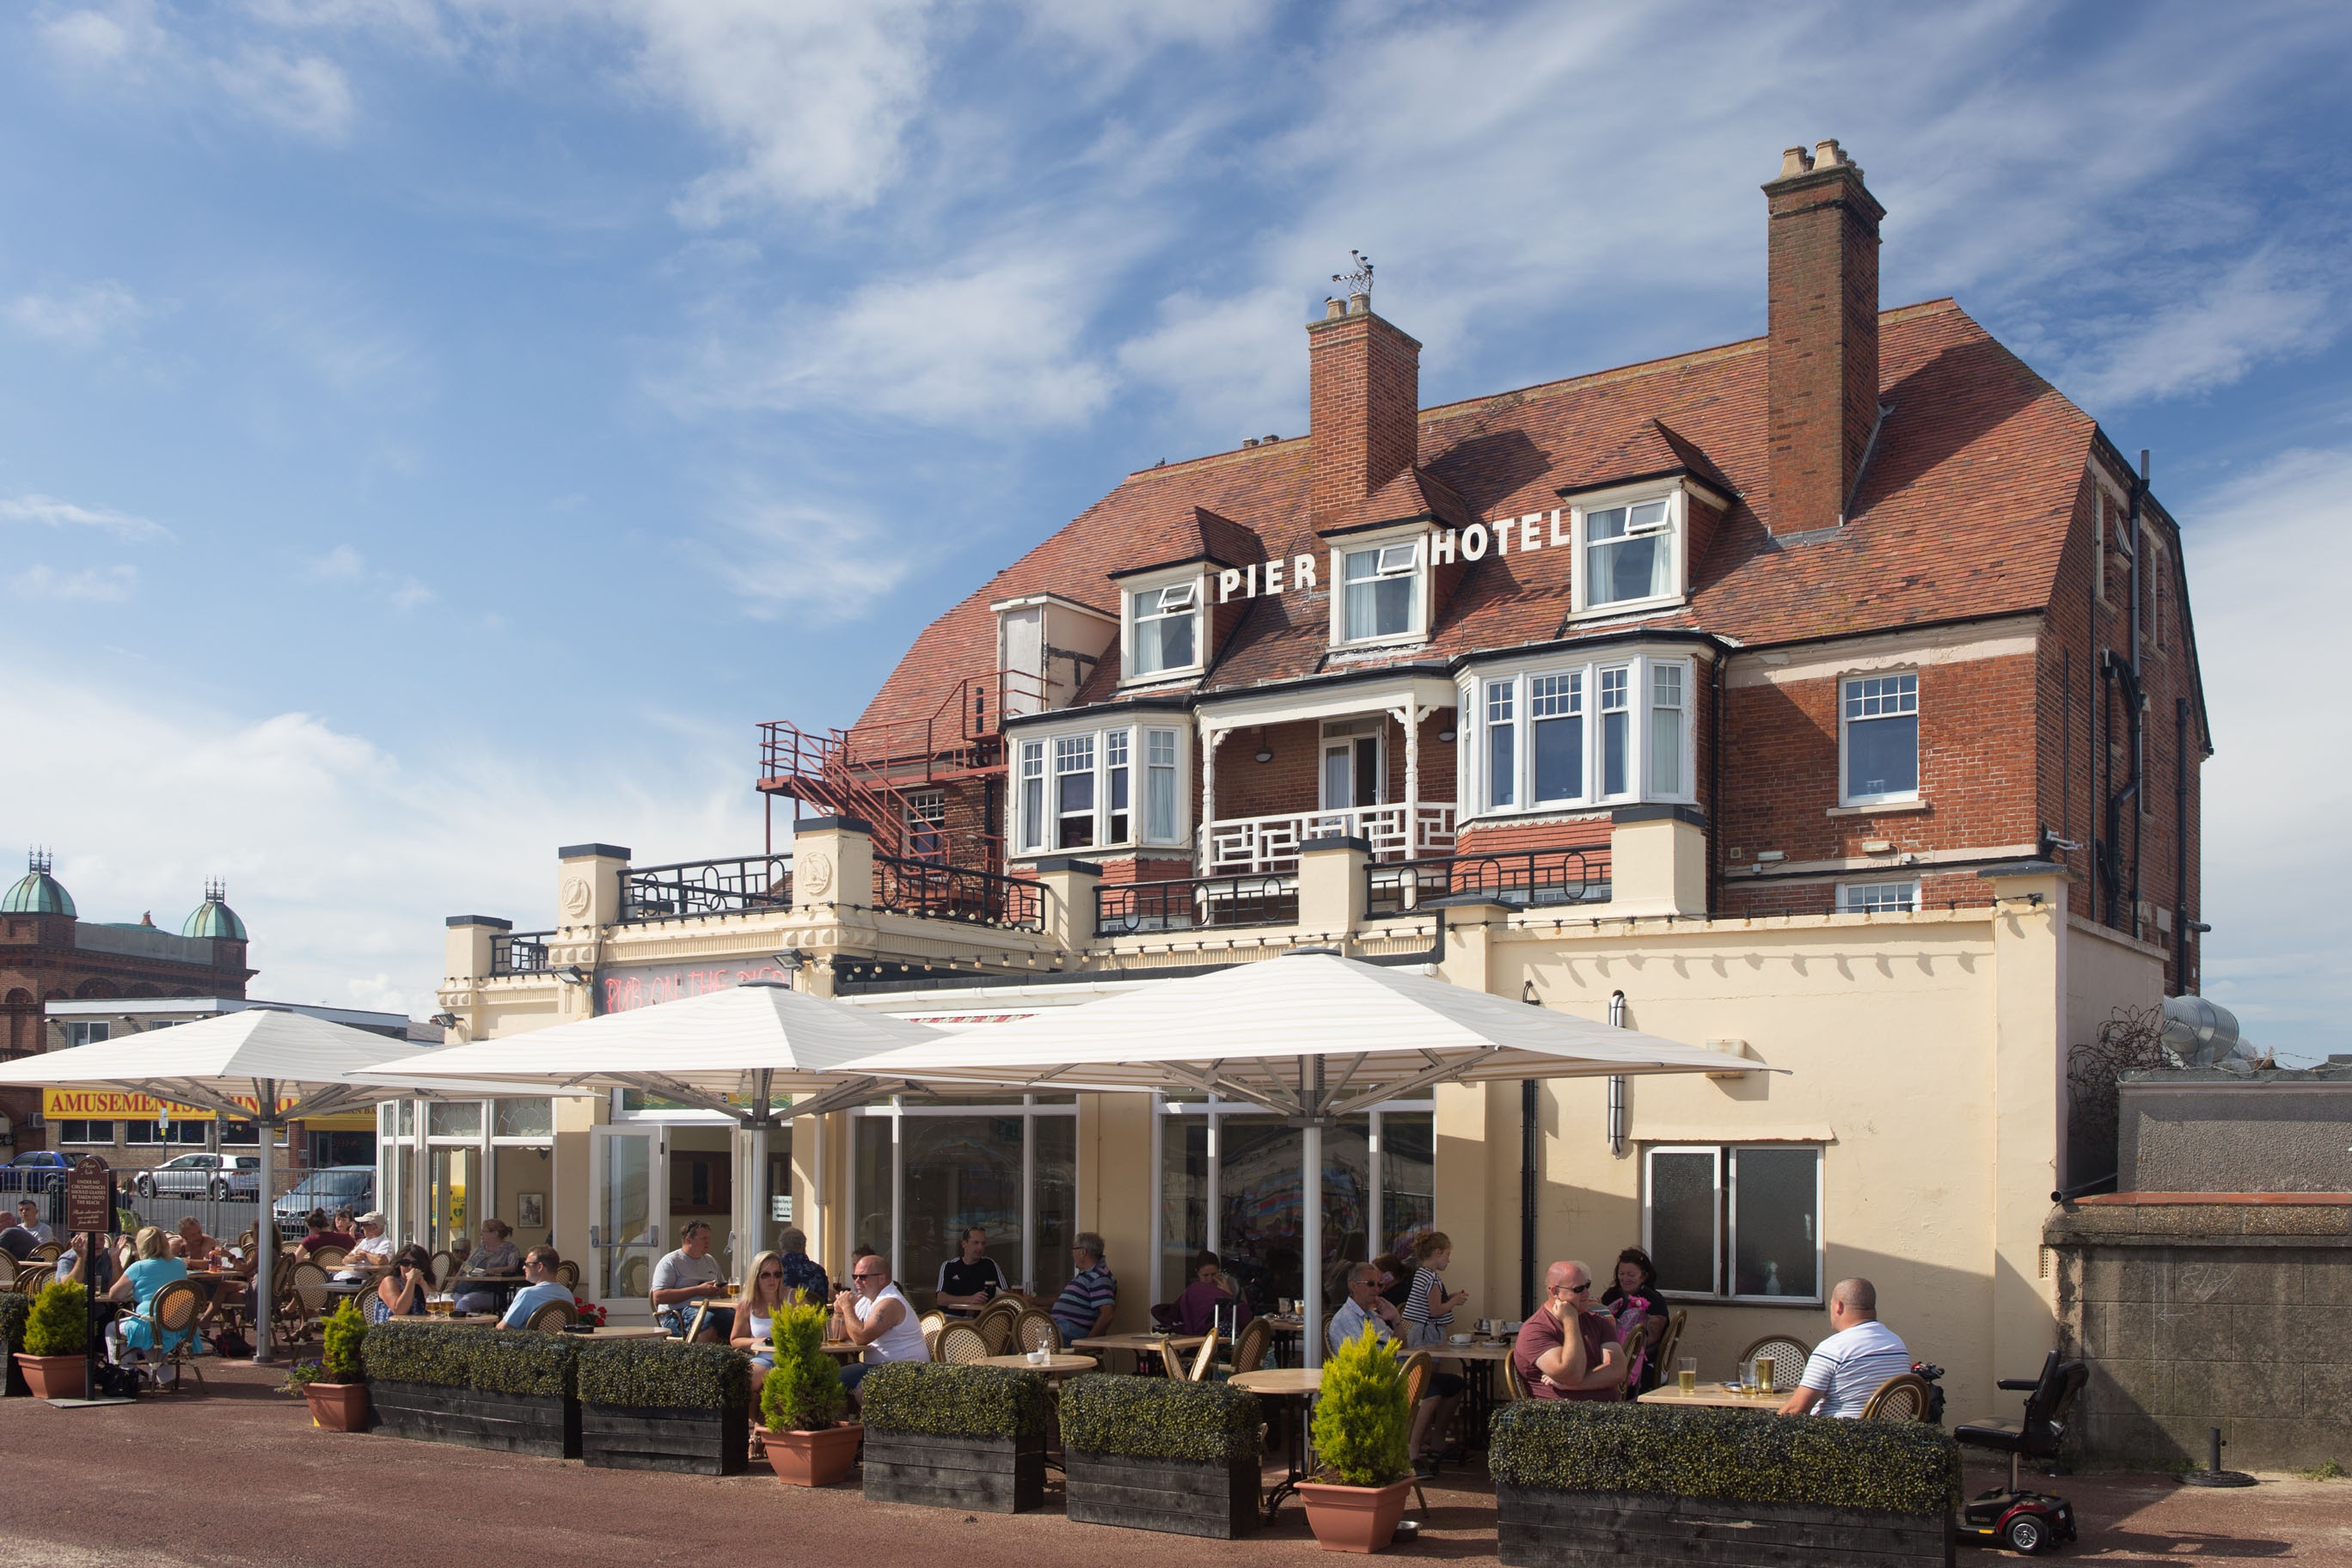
[[2205, 1131], [2192, 1316]]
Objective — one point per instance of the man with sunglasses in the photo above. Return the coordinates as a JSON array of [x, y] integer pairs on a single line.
[[876, 1315], [1570, 1348]]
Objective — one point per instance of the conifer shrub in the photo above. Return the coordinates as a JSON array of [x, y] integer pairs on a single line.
[[1361, 1421], [59, 1324], [804, 1392], [342, 1339]]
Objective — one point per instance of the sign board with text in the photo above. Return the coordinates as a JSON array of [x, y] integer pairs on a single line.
[[649, 985], [90, 1196]]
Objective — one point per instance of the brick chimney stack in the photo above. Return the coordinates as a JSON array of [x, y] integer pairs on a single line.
[[1823, 399], [1363, 379]]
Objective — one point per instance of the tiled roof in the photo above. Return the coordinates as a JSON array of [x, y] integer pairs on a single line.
[[1962, 511]]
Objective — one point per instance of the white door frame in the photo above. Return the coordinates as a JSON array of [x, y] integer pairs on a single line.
[[619, 1306]]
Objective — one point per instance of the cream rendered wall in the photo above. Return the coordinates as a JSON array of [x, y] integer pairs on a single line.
[[1115, 1186]]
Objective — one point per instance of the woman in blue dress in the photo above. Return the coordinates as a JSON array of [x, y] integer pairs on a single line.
[[151, 1269], [404, 1287]]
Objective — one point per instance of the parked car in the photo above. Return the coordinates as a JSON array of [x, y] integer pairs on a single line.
[[215, 1177], [37, 1171], [330, 1189]]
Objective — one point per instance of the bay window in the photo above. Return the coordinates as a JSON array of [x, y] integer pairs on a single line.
[[1556, 704], [1033, 794], [1088, 798], [1074, 792], [1115, 783], [1879, 734], [1582, 735], [1665, 729], [1164, 628], [1616, 730], [1502, 735], [1160, 787], [1738, 1221]]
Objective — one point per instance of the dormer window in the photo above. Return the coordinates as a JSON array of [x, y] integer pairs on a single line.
[[1379, 592], [1164, 630], [1628, 553]]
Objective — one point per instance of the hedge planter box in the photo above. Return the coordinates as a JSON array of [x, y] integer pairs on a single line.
[[659, 1405], [1163, 1453], [545, 1424], [1579, 1484], [971, 1438]]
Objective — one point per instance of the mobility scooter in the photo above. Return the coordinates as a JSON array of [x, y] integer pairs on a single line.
[[2012, 1516]]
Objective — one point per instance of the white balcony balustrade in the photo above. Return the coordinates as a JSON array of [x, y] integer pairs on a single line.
[[1242, 846]]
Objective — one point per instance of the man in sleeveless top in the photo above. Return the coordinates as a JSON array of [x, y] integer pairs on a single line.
[[877, 1314]]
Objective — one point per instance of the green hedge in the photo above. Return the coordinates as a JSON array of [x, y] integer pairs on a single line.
[[668, 1373], [1160, 1418], [1734, 1456], [14, 1309], [939, 1400], [490, 1361]]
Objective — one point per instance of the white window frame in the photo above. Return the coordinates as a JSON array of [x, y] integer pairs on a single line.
[[1037, 831], [1151, 587], [1863, 898], [1415, 538], [1846, 722], [1066, 746], [920, 817], [1676, 528], [1727, 1219], [1473, 753]]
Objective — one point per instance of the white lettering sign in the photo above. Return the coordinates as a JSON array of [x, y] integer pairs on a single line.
[[1438, 547]]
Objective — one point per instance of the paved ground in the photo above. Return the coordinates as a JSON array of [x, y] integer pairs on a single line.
[[241, 1477]]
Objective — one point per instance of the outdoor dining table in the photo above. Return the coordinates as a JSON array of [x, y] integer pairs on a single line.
[[1719, 1395], [505, 1285], [1302, 1383], [1052, 1369], [1143, 1345], [1479, 1358]]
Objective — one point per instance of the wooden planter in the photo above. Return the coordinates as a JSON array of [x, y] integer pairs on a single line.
[[55, 1376], [545, 1424], [819, 1459], [654, 1438], [338, 1407], [979, 1475], [1353, 1518], [1542, 1528], [1177, 1497]]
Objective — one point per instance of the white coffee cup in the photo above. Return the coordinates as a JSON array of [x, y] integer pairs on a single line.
[[1458, 1339]]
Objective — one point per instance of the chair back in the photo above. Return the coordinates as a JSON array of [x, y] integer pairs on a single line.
[[996, 1323], [1902, 1397], [1633, 1351], [1671, 1338], [246, 1242], [1204, 1359], [1249, 1349], [1511, 1378], [1788, 1358], [8, 1270], [2046, 1407], [960, 1344], [1170, 1362], [443, 1265], [329, 1256], [176, 1307], [1417, 1368], [550, 1316], [308, 1282], [1035, 1330], [32, 1278], [49, 1251], [567, 1274]]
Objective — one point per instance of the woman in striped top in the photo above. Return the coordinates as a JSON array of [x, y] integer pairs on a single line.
[[1429, 1308]]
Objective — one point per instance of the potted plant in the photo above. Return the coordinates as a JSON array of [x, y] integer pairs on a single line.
[[1361, 1427], [337, 1388], [971, 1438], [1159, 1453], [1593, 1485], [56, 1337], [659, 1405], [802, 1400], [506, 1389]]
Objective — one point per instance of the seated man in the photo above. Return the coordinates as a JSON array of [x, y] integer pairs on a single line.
[[495, 1255], [1570, 1348], [970, 1280], [372, 1254], [1086, 1302], [539, 1267], [191, 1245], [801, 1272], [1851, 1364], [1367, 1308], [29, 1219], [18, 1242], [876, 1315], [685, 1277]]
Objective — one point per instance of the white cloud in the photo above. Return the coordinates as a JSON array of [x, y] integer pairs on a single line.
[[80, 317], [408, 594], [307, 94], [791, 557], [95, 585], [1222, 360], [341, 563], [2258, 310], [97, 39], [55, 513]]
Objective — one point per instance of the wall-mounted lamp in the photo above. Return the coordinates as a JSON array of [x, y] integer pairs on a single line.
[[1446, 734], [792, 958], [443, 1020], [1766, 856], [1265, 752], [572, 974], [1528, 994]]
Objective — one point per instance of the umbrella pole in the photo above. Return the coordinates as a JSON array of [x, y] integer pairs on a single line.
[[263, 1292], [1311, 1314]]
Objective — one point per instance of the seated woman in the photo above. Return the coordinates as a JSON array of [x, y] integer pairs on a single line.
[[754, 1319], [402, 1291], [151, 1268], [497, 1255], [320, 1234], [1635, 1299], [1198, 1305]]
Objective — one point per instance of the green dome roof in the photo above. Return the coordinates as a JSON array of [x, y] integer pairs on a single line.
[[214, 918], [38, 892]]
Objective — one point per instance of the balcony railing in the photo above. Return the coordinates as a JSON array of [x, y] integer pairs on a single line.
[[1239, 845], [1195, 903], [1534, 879], [519, 952], [937, 892], [696, 887]]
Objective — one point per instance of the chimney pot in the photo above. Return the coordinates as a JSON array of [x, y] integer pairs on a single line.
[[1334, 307], [1249, 440], [1829, 155], [1822, 362], [1358, 304], [1795, 160]]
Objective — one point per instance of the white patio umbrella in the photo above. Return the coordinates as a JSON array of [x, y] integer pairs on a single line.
[[1310, 1036], [268, 1065], [730, 1051]]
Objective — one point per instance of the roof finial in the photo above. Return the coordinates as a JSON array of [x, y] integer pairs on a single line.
[[39, 861], [215, 891]]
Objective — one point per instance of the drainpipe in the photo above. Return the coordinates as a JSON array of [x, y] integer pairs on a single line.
[[2179, 846], [1617, 1080], [1529, 1111], [2127, 673]]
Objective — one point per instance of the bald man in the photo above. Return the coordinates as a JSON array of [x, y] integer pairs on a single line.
[[1570, 1348], [1853, 1363]]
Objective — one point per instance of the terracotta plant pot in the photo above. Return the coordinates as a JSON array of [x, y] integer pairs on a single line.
[[55, 1376], [1353, 1518], [338, 1407], [814, 1458]]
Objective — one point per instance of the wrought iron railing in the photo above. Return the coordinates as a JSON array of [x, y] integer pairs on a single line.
[[1195, 903], [1532, 877], [698, 888], [519, 952], [941, 893]]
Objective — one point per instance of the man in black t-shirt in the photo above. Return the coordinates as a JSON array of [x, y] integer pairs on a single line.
[[969, 1279]]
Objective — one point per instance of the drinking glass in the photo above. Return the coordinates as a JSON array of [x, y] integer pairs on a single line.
[[1686, 1375], [1764, 1375]]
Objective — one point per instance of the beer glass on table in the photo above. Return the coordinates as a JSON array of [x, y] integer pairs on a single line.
[[1686, 1375]]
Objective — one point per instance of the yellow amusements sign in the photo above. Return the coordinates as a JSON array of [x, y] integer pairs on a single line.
[[117, 1105]]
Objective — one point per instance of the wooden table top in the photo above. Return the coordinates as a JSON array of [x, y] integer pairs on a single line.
[[1139, 1342], [1063, 1361], [626, 1332], [1281, 1380], [1490, 1350], [842, 1347], [1717, 1394]]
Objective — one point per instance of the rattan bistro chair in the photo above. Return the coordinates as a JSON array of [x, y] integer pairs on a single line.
[[996, 1323], [1512, 1381], [931, 1323], [1250, 1345], [1033, 1331], [1669, 1341], [1632, 1349], [7, 1271], [172, 1314], [49, 1251], [1788, 1355], [1417, 1370], [567, 1274], [32, 1278], [960, 1344], [443, 1265], [551, 1317], [329, 1256], [1902, 1397]]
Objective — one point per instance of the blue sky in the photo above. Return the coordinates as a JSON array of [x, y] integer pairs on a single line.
[[432, 431]]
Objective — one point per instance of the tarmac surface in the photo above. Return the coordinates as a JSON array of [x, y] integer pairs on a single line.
[[237, 1475]]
